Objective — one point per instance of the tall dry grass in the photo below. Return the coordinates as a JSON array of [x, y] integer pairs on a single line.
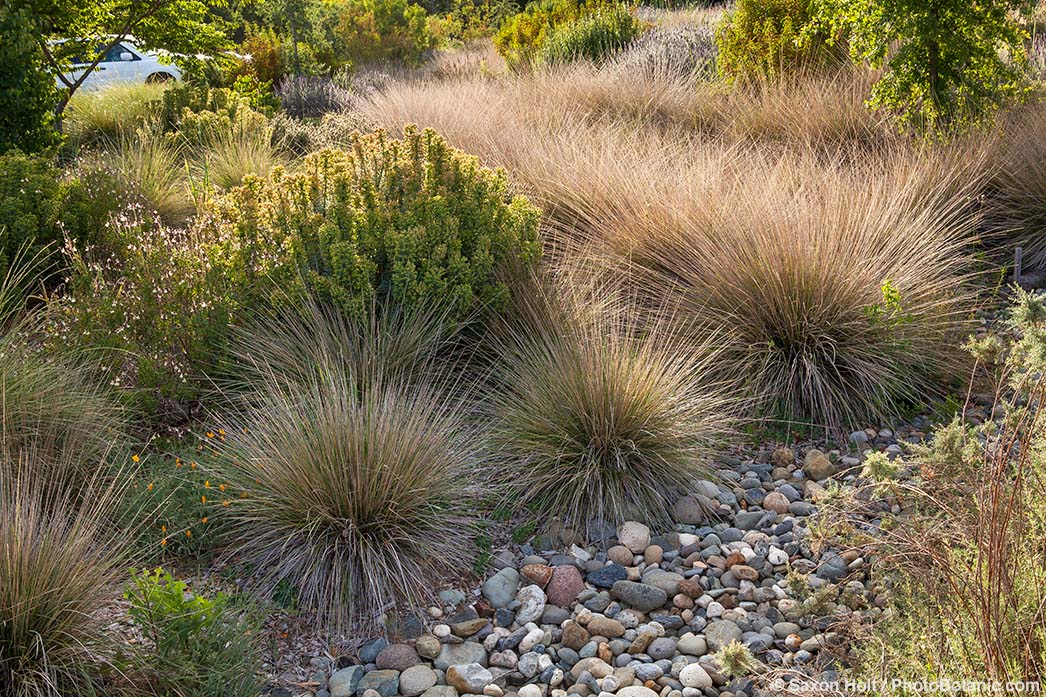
[[60, 567], [1017, 191], [784, 216]]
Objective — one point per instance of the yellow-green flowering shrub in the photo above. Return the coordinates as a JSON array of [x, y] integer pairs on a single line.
[[412, 222], [762, 39], [521, 36], [593, 36]]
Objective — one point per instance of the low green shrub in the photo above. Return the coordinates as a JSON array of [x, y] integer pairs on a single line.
[[188, 99], [39, 207], [521, 36], [155, 310], [30, 205], [408, 222], [594, 36], [762, 39], [199, 647], [355, 33], [962, 563]]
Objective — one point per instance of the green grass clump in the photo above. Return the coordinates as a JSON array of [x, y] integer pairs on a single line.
[[107, 114], [594, 36]]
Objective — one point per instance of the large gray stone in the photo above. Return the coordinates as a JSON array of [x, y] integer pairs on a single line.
[[639, 595], [416, 679], [720, 633], [385, 682], [344, 682], [460, 654], [500, 589]]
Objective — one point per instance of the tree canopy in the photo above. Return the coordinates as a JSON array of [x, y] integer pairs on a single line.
[[86, 29], [950, 61]]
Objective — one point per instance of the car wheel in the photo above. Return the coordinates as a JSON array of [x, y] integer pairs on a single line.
[[159, 77]]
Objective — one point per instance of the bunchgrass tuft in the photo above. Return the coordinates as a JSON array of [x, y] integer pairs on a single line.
[[109, 113], [598, 416], [60, 565], [154, 167], [843, 292], [359, 486], [51, 402], [232, 153], [1017, 189], [302, 341]]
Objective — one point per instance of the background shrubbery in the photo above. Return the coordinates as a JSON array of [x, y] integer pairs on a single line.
[[770, 38]]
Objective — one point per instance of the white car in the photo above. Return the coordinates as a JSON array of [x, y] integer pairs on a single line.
[[124, 63]]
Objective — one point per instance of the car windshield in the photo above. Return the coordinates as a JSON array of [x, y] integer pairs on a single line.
[[111, 56]]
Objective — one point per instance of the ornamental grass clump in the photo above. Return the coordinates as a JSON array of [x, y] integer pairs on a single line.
[[52, 403], [295, 344], [1017, 190], [598, 416], [406, 222], [359, 498], [60, 564], [843, 292]]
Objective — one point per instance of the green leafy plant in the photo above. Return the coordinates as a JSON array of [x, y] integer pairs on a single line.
[[949, 62], [27, 94], [39, 208], [766, 39], [86, 30], [200, 647], [521, 36], [879, 467], [410, 222], [177, 500], [594, 36], [356, 33]]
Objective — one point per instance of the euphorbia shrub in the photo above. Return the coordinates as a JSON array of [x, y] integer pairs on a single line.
[[409, 221]]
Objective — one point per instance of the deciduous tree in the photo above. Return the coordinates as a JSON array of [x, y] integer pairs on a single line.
[[88, 29], [949, 62]]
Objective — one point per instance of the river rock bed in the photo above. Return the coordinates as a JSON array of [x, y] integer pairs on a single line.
[[627, 612]]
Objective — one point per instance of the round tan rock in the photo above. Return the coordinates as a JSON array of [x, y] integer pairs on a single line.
[[776, 501], [619, 554], [653, 554]]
